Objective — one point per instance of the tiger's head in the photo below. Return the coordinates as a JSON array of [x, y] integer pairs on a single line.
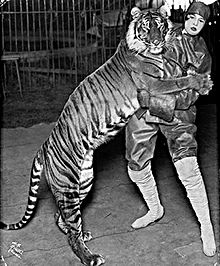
[[147, 31]]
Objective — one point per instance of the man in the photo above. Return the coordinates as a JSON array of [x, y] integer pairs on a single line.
[[189, 54]]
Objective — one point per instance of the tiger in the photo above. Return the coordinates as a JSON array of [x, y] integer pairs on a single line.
[[97, 109]]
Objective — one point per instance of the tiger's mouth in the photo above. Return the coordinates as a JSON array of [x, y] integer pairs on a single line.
[[155, 49]]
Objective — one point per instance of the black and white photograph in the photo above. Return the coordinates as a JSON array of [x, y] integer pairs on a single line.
[[109, 133]]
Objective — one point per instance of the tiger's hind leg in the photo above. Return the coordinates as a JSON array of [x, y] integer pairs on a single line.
[[87, 236], [60, 222], [86, 181], [69, 207], [69, 217]]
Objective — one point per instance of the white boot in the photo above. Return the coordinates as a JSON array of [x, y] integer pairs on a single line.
[[190, 176], [146, 183]]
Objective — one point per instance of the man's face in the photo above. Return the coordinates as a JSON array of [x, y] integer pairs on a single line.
[[194, 23]]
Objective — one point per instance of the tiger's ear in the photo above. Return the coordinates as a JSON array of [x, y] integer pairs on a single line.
[[135, 12], [165, 11]]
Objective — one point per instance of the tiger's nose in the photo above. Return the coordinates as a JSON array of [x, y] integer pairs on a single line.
[[156, 42]]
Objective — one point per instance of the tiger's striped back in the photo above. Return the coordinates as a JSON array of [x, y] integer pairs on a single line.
[[102, 103]]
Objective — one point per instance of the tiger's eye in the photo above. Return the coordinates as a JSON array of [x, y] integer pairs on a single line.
[[146, 25]]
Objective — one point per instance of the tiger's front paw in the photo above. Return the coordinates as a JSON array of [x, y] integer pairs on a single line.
[[207, 85], [202, 83]]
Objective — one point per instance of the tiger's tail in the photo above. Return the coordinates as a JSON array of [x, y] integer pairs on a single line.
[[36, 171]]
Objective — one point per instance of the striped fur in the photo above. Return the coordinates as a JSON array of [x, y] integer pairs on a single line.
[[95, 112]]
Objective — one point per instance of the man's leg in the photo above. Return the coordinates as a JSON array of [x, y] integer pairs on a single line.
[[183, 149], [190, 175], [144, 179], [140, 145]]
